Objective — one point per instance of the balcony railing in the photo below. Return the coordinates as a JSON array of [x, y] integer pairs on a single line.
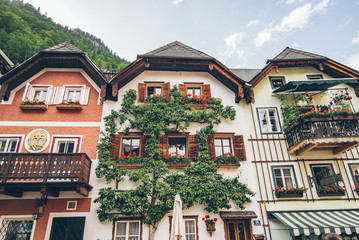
[[48, 173], [337, 133]]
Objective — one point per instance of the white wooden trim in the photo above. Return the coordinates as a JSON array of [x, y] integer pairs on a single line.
[[64, 137]]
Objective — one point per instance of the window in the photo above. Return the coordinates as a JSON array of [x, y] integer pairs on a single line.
[[276, 82], [314, 76], [178, 145], [127, 230], [283, 176], [130, 146], [190, 229], [38, 92], [354, 168], [323, 174], [194, 91], [16, 229], [9, 145], [66, 228], [268, 120], [72, 93], [154, 90], [222, 146], [65, 145]]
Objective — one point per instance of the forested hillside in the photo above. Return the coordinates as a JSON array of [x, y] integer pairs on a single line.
[[24, 31]]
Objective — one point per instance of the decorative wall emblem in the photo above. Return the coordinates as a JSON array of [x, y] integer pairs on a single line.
[[37, 140]]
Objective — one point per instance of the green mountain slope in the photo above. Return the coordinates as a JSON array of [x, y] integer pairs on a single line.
[[24, 31]]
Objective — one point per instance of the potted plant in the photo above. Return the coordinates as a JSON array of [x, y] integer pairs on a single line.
[[303, 99], [196, 102], [228, 160], [34, 104], [210, 223], [341, 99], [331, 190], [287, 192], [69, 105], [130, 161], [175, 159]]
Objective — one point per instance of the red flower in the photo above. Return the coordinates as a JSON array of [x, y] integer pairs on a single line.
[[207, 216], [180, 156], [202, 219], [349, 97], [207, 223], [70, 99], [215, 219], [77, 101], [346, 93]]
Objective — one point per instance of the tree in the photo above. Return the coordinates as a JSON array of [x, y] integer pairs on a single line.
[[154, 197]]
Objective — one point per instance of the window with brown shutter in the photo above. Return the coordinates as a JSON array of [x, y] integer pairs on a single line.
[[127, 144], [203, 90], [220, 144], [192, 147], [151, 89], [239, 149]]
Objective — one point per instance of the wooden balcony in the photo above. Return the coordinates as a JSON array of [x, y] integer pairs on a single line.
[[337, 133], [48, 173]]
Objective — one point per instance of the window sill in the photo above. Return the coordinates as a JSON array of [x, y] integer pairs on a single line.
[[69, 107], [36, 107], [289, 195], [228, 165], [329, 194]]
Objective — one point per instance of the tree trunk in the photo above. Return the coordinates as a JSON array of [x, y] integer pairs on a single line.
[[152, 231]]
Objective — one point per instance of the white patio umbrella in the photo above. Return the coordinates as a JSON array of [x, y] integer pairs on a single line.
[[177, 229]]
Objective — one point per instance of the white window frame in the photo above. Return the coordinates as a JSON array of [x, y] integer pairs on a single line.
[[282, 167], [128, 229], [264, 128], [30, 90], [10, 138], [276, 79], [56, 139], [154, 85], [63, 91], [191, 86], [17, 218], [74, 89], [195, 228]]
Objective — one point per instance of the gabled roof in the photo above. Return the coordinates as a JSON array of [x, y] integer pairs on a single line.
[[247, 74], [177, 56], [176, 50], [5, 63], [64, 55], [296, 58], [290, 54]]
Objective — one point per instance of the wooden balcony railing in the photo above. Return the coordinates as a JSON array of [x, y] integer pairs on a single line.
[[337, 133], [50, 173]]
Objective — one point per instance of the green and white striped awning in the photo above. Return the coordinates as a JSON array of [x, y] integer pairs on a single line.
[[317, 222]]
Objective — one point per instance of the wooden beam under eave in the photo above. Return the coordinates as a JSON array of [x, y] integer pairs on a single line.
[[345, 147], [103, 93], [3, 91], [239, 93], [305, 149], [262, 74], [83, 191], [330, 65], [50, 191], [346, 69], [11, 192]]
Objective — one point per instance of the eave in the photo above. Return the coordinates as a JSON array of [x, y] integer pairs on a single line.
[[211, 66], [43, 60]]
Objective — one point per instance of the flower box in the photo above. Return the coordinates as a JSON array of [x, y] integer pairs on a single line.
[[288, 195], [130, 165], [228, 165], [38, 107], [198, 106], [330, 194], [72, 107], [178, 164]]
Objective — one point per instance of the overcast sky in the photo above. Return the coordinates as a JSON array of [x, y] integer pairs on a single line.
[[239, 33]]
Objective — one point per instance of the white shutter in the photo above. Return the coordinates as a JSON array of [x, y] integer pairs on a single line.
[[85, 92], [50, 95], [59, 96], [29, 92]]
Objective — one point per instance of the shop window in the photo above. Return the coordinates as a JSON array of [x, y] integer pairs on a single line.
[[127, 230], [268, 120], [10, 145]]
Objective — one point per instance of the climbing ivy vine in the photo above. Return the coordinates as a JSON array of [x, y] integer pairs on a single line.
[[156, 185]]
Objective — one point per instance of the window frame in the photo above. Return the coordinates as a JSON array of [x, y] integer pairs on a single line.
[[139, 137], [32, 88], [350, 165], [279, 126], [57, 138], [317, 165], [293, 175], [194, 86], [315, 75], [19, 218], [186, 217], [9, 137], [155, 86], [222, 136], [128, 220], [276, 78], [184, 136]]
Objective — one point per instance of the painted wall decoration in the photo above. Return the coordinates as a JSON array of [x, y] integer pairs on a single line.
[[37, 140]]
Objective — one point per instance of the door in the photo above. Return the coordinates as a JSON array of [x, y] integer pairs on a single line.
[[237, 230], [67, 228]]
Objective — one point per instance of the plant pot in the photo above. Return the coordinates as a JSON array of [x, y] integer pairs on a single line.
[[130, 165], [289, 195], [211, 229], [228, 165], [199, 106], [330, 194], [38, 107], [69, 107], [178, 164]]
